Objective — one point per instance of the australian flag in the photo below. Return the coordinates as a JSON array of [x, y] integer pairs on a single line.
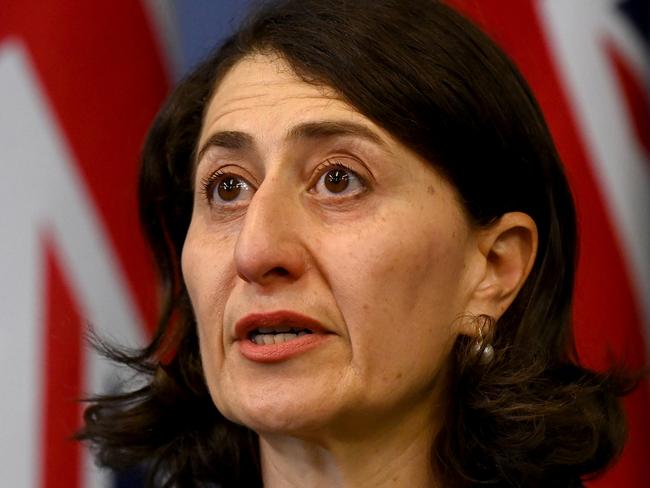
[[81, 81]]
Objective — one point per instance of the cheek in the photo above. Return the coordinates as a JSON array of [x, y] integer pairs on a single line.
[[400, 291], [205, 275], [195, 275], [203, 266], [396, 272], [207, 264]]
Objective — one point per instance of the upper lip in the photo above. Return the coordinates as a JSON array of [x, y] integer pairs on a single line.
[[280, 318]]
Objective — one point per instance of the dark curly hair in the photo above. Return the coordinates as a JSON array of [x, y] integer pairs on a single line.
[[533, 416]]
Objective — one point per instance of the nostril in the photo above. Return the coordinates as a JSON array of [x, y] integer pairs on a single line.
[[278, 271], [274, 273]]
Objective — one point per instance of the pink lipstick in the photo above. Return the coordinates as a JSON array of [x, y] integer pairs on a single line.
[[277, 336]]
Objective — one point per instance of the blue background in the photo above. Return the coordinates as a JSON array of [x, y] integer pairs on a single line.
[[202, 24]]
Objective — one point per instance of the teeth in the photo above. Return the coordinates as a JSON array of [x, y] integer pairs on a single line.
[[276, 335], [268, 339]]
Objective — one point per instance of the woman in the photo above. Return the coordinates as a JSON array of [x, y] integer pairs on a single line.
[[367, 245]]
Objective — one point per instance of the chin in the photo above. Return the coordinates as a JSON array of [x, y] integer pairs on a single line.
[[279, 414]]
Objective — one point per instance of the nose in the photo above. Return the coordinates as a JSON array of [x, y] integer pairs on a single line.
[[269, 247]]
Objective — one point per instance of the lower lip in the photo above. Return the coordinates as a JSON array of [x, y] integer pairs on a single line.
[[272, 353]]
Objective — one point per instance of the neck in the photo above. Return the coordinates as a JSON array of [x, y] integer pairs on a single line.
[[386, 455]]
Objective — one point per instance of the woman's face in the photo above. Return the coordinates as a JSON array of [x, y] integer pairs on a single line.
[[348, 251]]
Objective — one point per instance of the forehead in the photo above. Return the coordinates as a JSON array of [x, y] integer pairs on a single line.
[[263, 91]]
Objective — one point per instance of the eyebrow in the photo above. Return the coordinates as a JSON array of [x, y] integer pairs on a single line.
[[241, 141], [233, 140]]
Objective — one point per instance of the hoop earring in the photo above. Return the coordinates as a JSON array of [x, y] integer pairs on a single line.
[[481, 347]]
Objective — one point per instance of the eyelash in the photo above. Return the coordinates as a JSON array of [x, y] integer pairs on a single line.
[[208, 182], [328, 164]]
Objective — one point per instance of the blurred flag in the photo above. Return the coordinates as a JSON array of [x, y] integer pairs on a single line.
[[79, 84]]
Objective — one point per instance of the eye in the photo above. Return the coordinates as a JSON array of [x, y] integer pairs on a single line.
[[337, 179], [219, 187]]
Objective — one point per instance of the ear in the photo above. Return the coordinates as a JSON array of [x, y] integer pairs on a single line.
[[507, 250]]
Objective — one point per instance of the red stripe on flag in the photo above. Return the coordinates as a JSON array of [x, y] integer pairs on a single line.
[[103, 75], [104, 79], [63, 379], [607, 318]]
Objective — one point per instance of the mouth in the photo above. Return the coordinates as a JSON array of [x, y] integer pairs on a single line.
[[276, 327], [277, 336]]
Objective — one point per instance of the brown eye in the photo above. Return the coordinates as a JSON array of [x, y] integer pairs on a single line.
[[337, 180], [220, 188], [229, 188]]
